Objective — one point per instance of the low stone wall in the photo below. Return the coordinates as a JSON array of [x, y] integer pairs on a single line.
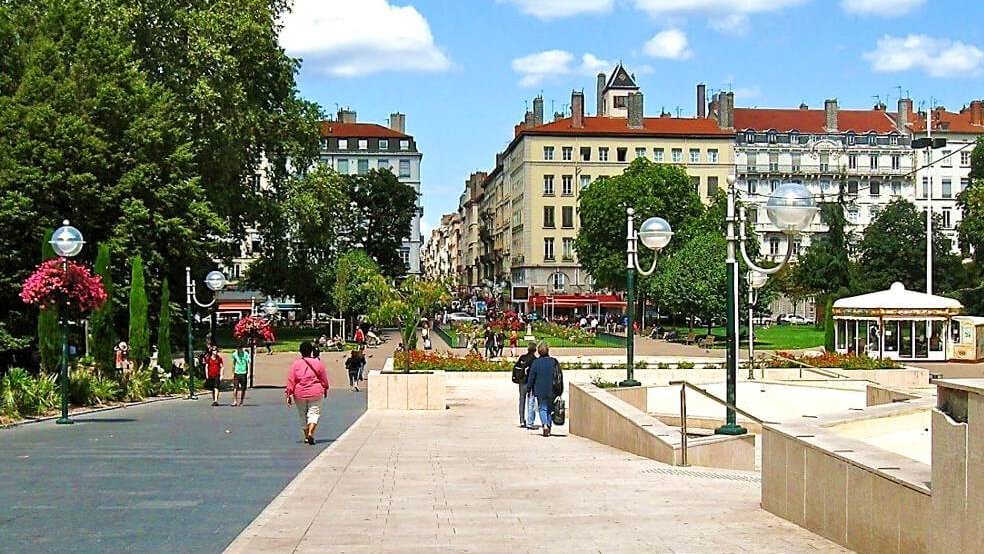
[[407, 391], [636, 396], [876, 395]]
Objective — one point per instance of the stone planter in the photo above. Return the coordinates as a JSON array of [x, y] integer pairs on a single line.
[[393, 390]]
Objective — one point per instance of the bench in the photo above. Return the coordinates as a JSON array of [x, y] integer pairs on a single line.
[[707, 342]]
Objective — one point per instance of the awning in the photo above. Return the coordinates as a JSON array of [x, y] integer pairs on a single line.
[[897, 301]]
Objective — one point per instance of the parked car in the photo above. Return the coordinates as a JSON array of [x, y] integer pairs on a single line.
[[763, 319], [793, 319], [462, 317]]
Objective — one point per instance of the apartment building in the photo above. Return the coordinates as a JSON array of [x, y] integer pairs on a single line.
[[438, 257], [350, 147], [470, 246]]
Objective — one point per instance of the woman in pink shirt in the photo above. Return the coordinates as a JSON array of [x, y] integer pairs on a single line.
[[307, 386]]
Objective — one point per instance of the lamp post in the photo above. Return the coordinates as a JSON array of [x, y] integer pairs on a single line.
[[790, 208], [928, 143], [755, 281], [269, 308], [67, 242], [215, 281], [655, 233]]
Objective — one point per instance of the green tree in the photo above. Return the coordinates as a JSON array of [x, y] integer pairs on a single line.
[[826, 265], [828, 325], [693, 280], [164, 357], [653, 190], [139, 329], [405, 304], [384, 209], [49, 331], [102, 328], [354, 273], [893, 248]]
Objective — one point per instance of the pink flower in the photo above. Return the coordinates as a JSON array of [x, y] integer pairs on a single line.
[[252, 328], [58, 282]]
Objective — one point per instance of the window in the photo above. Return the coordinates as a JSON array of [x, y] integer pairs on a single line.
[[925, 187], [567, 185], [773, 161], [558, 281], [405, 257], [363, 166], [568, 248], [893, 140], [585, 181], [964, 183], [947, 189], [548, 249], [712, 186], [874, 188], [824, 162], [796, 160], [797, 246], [751, 161], [896, 188], [640, 152], [753, 186], [694, 156], [695, 183], [896, 161], [548, 185], [567, 217], [343, 144], [384, 144], [658, 155], [874, 211], [946, 218], [750, 137], [567, 153], [852, 161], [404, 168], [548, 153], [853, 216], [852, 187], [771, 137], [585, 153], [603, 154], [773, 185], [548, 217], [621, 154], [363, 144], [676, 155], [825, 185], [773, 246], [873, 161], [965, 158], [794, 137], [404, 145], [342, 166], [872, 139], [947, 159], [619, 101], [753, 215], [384, 164], [850, 139]]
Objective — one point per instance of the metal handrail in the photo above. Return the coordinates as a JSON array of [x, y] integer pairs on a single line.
[[684, 385]]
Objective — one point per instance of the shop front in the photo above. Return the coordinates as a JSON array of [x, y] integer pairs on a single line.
[[896, 324]]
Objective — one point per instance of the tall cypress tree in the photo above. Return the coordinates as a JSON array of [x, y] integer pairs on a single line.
[[102, 330], [164, 357], [139, 332], [49, 335]]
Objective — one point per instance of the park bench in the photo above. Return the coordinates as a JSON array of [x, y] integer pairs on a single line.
[[707, 342], [691, 338]]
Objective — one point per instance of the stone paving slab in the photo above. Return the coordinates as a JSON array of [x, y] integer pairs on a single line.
[[470, 480]]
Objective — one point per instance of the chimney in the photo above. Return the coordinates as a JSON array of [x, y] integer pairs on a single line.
[[634, 104], [976, 112], [722, 108], [830, 114], [701, 100], [398, 122], [730, 110], [528, 120], [803, 106], [558, 116], [714, 108], [600, 112], [538, 110], [905, 112], [577, 109], [346, 116]]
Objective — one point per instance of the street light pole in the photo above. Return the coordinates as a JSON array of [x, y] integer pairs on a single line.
[[655, 234], [67, 242], [756, 281], [730, 426], [215, 281]]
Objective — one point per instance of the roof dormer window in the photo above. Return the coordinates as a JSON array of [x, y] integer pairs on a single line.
[[750, 137], [772, 137], [872, 139], [850, 139], [794, 137]]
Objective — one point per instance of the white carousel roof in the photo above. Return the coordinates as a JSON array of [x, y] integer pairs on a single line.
[[898, 298]]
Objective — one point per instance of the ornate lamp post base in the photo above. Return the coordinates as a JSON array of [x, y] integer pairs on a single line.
[[730, 429], [65, 421], [629, 383]]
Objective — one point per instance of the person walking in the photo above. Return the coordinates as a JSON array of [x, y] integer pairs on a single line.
[[353, 364], [520, 376], [513, 342], [240, 369], [213, 373], [541, 384], [307, 387], [122, 355]]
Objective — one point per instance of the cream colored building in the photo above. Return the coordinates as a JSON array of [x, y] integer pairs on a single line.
[[543, 170]]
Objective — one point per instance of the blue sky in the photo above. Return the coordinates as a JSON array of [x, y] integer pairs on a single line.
[[463, 70]]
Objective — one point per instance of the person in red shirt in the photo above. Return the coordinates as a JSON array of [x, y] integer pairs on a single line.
[[213, 373]]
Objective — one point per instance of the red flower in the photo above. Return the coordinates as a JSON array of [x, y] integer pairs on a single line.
[[252, 328], [58, 282]]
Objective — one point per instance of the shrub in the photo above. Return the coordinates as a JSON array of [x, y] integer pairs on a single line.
[[663, 365], [603, 384], [136, 385], [101, 323], [685, 365], [40, 396], [139, 330], [164, 357], [596, 365], [433, 361], [641, 364]]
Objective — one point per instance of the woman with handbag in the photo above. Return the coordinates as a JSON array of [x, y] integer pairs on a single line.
[[307, 387]]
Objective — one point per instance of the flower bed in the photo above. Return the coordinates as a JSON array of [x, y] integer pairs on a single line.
[[435, 361], [831, 360]]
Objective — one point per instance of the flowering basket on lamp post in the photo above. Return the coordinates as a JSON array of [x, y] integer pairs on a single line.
[[251, 328], [66, 284]]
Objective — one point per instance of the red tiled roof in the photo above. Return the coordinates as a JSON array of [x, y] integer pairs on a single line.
[[652, 126], [811, 121], [954, 122], [358, 130]]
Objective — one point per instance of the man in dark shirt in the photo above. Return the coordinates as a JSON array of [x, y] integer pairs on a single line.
[[521, 373], [541, 384]]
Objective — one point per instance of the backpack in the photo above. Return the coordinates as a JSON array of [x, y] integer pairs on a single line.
[[559, 412], [558, 380], [520, 369]]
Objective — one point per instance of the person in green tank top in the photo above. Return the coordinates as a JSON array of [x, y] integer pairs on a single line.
[[240, 368]]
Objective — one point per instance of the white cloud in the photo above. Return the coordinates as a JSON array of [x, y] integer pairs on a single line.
[[556, 9], [732, 24], [881, 8], [938, 57], [720, 7], [352, 38], [539, 67], [671, 44]]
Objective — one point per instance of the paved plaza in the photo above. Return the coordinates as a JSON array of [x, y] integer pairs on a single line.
[[470, 480]]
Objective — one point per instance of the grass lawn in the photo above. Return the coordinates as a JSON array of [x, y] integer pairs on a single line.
[[288, 339], [775, 337], [600, 341]]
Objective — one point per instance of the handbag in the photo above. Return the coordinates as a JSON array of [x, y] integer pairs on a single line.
[[559, 414]]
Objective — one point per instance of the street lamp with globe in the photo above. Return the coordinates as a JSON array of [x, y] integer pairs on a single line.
[[791, 209], [755, 280], [654, 233], [215, 281], [67, 242]]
